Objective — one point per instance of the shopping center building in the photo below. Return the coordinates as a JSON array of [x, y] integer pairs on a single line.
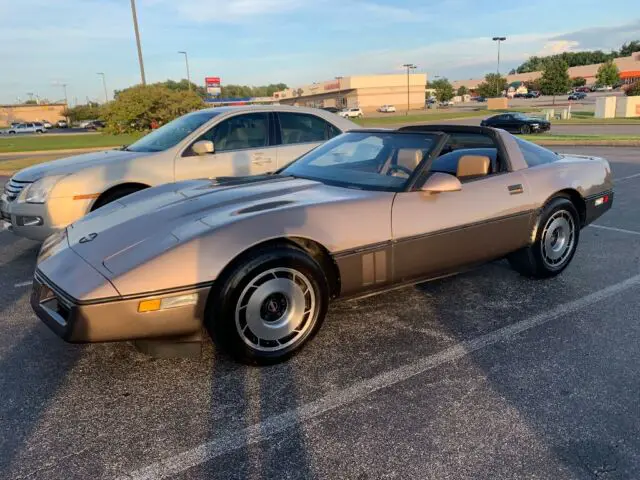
[[629, 68], [368, 92]]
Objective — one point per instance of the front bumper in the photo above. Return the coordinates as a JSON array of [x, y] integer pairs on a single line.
[[541, 127], [54, 215], [113, 319]]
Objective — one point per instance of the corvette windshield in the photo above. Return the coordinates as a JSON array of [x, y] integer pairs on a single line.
[[367, 160], [172, 133]]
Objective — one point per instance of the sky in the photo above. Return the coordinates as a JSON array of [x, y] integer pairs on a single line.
[[47, 43]]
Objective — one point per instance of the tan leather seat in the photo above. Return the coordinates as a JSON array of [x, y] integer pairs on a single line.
[[409, 158], [473, 166]]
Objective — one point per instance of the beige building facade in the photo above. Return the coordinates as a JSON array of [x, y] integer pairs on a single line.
[[629, 68], [31, 113], [367, 92]]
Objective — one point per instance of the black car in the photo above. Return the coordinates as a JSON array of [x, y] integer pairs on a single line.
[[517, 122], [532, 94], [577, 96], [331, 109]]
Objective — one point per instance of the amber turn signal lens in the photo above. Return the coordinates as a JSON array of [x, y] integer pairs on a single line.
[[149, 305]]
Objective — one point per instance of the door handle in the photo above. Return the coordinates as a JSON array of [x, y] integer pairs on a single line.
[[261, 161], [515, 189]]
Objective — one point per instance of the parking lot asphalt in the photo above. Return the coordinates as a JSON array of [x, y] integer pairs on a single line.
[[482, 375]]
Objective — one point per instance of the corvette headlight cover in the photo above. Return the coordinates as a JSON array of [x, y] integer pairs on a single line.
[[38, 191]]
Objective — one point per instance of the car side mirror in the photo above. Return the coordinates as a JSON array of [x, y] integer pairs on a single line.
[[203, 147], [441, 182]]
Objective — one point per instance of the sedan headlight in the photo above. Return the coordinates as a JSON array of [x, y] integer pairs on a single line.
[[38, 191], [535, 125]]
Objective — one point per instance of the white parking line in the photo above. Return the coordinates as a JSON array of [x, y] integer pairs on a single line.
[[614, 229], [23, 284], [626, 178], [272, 425]]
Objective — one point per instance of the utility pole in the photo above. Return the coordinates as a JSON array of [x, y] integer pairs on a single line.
[[135, 27], [498, 39], [104, 84], [409, 67], [186, 60], [66, 101]]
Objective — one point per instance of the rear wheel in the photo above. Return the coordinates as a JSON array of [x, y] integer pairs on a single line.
[[268, 306], [557, 236]]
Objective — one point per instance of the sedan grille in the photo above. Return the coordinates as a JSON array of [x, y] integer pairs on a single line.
[[13, 188]]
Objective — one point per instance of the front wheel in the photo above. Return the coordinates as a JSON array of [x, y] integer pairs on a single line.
[[268, 306], [557, 235], [525, 129]]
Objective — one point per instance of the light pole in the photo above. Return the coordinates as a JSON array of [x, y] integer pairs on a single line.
[[339, 90], [409, 67], [186, 60], [135, 28], [104, 84], [498, 39]]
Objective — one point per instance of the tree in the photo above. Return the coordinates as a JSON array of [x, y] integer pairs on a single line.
[[579, 82], [463, 90], [492, 86], [555, 79], [633, 90], [608, 74], [533, 85], [31, 102], [575, 59], [91, 111], [443, 88], [135, 108], [181, 86], [629, 48]]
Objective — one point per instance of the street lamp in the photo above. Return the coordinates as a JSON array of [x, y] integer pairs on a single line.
[[498, 39], [186, 60], [135, 28], [339, 90], [104, 84], [409, 67]]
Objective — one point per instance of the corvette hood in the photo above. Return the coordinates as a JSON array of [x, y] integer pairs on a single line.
[[158, 219], [75, 163]]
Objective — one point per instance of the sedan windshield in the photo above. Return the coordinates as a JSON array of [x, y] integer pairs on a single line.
[[172, 133], [366, 160]]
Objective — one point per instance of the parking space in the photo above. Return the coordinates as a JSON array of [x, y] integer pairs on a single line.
[[482, 375]]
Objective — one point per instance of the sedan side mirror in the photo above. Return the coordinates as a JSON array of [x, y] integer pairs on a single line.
[[441, 182], [203, 147]]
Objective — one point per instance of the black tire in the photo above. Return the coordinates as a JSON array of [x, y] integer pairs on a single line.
[[230, 328], [525, 129], [534, 261], [114, 195]]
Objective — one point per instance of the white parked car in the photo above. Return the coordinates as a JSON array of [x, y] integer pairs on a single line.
[[351, 113], [35, 127], [604, 88], [214, 142], [387, 108], [47, 125]]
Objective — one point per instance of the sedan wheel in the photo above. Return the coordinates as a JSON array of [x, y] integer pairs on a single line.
[[525, 129], [266, 306]]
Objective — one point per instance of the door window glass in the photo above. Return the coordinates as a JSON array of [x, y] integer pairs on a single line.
[[300, 128], [240, 132]]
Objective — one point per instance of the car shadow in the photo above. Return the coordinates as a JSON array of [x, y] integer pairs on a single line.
[[34, 365]]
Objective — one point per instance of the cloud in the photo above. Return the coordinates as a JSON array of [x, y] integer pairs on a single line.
[[555, 47], [602, 38]]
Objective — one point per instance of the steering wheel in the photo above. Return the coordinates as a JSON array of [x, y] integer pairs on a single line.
[[399, 168]]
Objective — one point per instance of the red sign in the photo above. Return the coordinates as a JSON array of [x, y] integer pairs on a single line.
[[212, 81], [332, 86]]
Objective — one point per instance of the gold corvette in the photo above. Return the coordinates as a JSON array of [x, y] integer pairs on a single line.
[[256, 260]]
